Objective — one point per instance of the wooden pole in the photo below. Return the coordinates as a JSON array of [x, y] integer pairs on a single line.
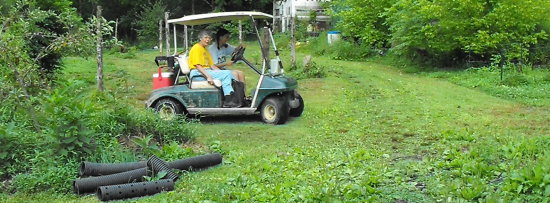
[[265, 42], [116, 29], [186, 40], [292, 41], [240, 32], [167, 32], [192, 28], [99, 51], [175, 40], [160, 37]]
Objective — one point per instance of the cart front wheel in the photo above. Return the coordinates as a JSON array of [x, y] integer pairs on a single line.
[[274, 110], [168, 109]]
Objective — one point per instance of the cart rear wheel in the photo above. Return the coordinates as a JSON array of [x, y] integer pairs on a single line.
[[168, 109], [274, 110]]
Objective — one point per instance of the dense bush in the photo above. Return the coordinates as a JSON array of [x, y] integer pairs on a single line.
[[74, 125], [363, 20], [447, 33]]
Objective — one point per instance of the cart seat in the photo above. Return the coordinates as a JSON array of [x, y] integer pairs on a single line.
[[196, 82]]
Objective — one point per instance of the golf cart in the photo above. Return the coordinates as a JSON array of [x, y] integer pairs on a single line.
[[275, 97]]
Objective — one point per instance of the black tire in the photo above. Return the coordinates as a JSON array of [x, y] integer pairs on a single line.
[[297, 112], [168, 109], [274, 110]]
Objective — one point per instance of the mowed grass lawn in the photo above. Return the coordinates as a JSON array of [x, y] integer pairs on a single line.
[[369, 132]]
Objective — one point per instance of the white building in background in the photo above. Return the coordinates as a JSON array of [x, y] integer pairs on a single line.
[[301, 9]]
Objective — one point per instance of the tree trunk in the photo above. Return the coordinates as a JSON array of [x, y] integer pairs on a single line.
[[26, 93], [99, 51]]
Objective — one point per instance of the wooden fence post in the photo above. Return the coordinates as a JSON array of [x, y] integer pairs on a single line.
[[99, 50], [240, 32], [116, 29], [265, 42], [160, 37], [167, 33]]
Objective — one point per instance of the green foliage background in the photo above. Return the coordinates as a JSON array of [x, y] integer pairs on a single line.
[[445, 33]]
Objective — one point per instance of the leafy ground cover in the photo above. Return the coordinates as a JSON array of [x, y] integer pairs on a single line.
[[370, 132]]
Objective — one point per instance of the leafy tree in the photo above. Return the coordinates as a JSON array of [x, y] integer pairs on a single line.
[[363, 20], [447, 29], [31, 48], [127, 11], [147, 21], [33, 39], [444, 32]]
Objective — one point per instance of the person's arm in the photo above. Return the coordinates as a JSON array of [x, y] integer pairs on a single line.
[[205, 74]]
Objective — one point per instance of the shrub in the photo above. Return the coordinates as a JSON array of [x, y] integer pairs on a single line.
[[319, 45], [516, 80], [546, 78], [340, 50], [77, 124], [282, 41], [19, 148], [308, 70], [344, 50], [53, 175]]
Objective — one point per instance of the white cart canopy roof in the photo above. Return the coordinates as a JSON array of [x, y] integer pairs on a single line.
[[218, 17]]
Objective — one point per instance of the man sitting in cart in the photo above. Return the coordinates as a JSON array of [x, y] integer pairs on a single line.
[[221, 51], [201, 63]]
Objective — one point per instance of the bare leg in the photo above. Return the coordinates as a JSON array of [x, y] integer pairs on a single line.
[[235, 75], [241, 76]]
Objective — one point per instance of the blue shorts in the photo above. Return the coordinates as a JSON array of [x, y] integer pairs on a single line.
[[225, 76]]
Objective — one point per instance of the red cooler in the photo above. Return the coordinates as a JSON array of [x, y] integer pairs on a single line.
[[161, 79]]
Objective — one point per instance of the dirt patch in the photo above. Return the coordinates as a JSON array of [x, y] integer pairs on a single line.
[[522, 117], [196, 147]]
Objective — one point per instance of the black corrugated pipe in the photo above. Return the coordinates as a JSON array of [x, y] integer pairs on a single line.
[[156, 165], [123, 191], [98, 169], [198, 162], [87, 185]]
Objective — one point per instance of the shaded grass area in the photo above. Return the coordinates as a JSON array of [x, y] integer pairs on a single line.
[[530, 87], [370, 133], [523, 84]]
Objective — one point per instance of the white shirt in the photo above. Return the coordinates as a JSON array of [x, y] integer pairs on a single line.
[[220, 55]]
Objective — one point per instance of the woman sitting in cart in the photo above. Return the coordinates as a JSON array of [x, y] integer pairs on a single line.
[[201, 63], [221, 51]]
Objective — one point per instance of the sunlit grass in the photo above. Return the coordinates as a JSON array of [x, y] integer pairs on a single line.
[[369, 132]]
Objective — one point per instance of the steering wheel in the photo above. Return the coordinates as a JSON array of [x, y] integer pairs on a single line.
[[238, 54]]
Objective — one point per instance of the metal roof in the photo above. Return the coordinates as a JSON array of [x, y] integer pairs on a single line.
[[207, 18]]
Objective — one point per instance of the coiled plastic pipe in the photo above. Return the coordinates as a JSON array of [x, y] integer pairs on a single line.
[[194, 163], [123, 191], [90, 184]]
